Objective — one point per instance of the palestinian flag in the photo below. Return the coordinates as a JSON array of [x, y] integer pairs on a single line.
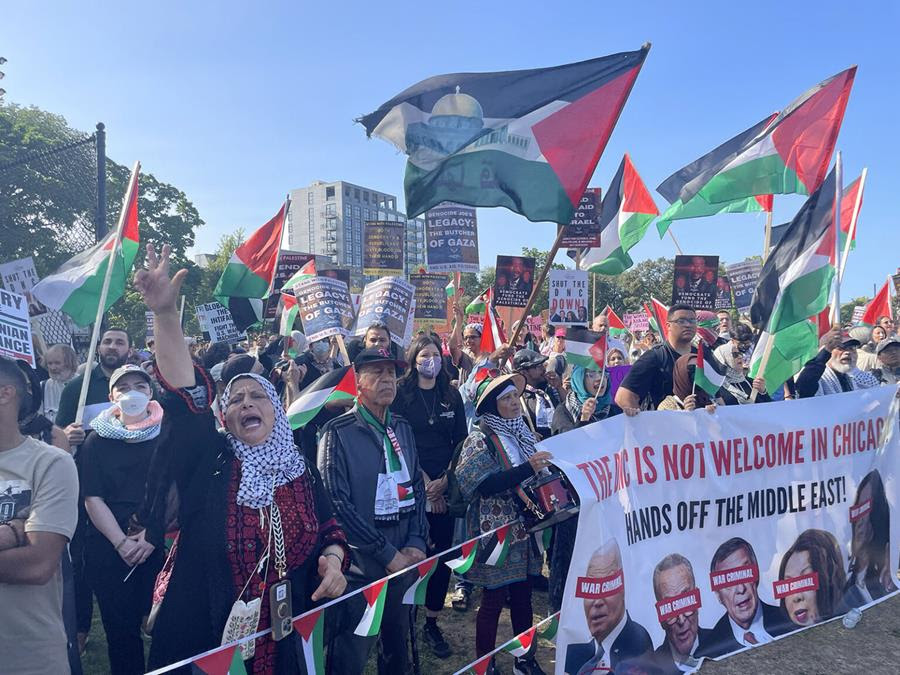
[[700, 208], [415, 594], [497, 556], [370, 623], [542, 539], [248, 276], [879, 306], [658, 317], [452, 289], [339, 384], [796, 279], [288, 314], [308, 271], [223, 662], [851, 203], [479, 302], [792, 348], [311, 629], [585, 348], [626, 212], [707, 326], [709, 374], [491, 334], [549, 631], [790, 155], [616, 326], [479, 667], [528, 140], [75, 287], [520, 645], [468, 551]]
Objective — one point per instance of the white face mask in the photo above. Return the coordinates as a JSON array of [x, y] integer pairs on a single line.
[[133, 403]]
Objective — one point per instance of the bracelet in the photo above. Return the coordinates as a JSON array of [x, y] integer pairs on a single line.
[[119, 545], [340, 558]]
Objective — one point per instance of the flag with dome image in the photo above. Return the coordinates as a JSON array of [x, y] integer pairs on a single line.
[[528, 140]]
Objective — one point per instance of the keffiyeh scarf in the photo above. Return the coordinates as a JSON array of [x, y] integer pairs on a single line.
[[108, 424], [516, 429], [859, 379], [270, 464], [394, 493]]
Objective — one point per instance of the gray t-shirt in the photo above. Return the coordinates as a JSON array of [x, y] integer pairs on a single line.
[[38, 483]]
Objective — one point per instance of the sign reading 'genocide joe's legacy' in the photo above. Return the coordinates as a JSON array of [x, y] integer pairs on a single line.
[[289, 263], [514, 281], [216, 323], [325, 307], [431, 298], [744, 277], [15, 328], [383, 252], [451, 238], [583, 231], [390, 301], [568, 297], [695, 281]]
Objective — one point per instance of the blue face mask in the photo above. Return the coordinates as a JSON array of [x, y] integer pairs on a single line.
[[429, 367], [320, 349]]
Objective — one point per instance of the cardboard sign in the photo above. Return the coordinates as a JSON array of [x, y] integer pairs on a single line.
[[451, 238], [744, 277], [514, 281], [858, 311], [20, 276], [325, 307], [216, 323], [431, 298], [390, 301], [383, 249], [339, 273], [148, 317], [289, 263], [583, 231], [636, 321], [15, 327], [568, 295], [695, 281], [723, 293]]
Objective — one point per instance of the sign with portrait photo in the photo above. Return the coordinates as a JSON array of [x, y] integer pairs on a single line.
[[514, 280], [567, 298], [383, 248], [695, 280], [723, 293]]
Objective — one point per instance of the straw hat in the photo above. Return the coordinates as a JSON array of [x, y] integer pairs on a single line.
[[493, 385]]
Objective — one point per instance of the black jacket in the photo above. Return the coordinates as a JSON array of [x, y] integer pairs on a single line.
[[720, 640], [633, 641]]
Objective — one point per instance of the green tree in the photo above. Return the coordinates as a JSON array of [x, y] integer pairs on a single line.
[[847, 308]]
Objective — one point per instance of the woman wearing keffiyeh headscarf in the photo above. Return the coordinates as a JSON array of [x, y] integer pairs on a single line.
[[738, 388], [497, 456], [252, 513]]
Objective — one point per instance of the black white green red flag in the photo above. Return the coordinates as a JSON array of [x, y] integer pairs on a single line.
[[311, 629], [709, 374], [375, 595], [339, 384], [223, 662], [528, 140], [415, 594]]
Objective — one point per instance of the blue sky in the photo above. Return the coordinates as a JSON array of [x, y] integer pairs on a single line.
[[236, 103]]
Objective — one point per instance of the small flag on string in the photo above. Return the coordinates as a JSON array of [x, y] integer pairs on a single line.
[[479, 667], [223, 662], [520, 645], [370, 623], [311, 629], [415, 594], [498, 555], [549, 631], [462, 564]]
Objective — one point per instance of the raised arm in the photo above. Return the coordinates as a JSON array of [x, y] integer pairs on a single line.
[[160, 293]]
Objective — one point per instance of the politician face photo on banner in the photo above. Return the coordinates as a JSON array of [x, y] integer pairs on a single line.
[[748, 621], [869, 576], [614, 636], [812, 577], [678, 610]]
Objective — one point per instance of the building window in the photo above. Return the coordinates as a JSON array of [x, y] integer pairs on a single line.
[[393, 204], [356, 194], [348, 210], [309, 197], [366, 197], [346, 192], [356, 211], [329, 192], [330, 210], [310, 215]]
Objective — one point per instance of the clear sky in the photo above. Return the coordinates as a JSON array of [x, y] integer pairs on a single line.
[[236, 103]]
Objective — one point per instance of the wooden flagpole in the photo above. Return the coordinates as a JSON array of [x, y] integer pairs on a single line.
[[838, 189], [767, 239], [104, 291], [674, 240]]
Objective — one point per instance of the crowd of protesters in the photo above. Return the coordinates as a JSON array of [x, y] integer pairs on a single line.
[[190, 496]]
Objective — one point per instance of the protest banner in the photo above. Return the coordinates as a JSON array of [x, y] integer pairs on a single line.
[[390, 301], [216, 323], [431, 299], [744, 277], [723, 293], [325, 307], [695, 280], [383, 248], [695, 522], [289, 263], [858, 311], [148, 318], [636, 321], [451, 238], [20, 276], [583, 231], [15, 327], [514, 281], [568, 295]]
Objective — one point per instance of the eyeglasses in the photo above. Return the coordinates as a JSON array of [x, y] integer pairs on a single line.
[[471, 337], [735, 353], [684, 322]]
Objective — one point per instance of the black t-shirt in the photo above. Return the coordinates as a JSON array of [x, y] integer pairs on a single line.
[[115, 471], [651, 376], [436, 442]]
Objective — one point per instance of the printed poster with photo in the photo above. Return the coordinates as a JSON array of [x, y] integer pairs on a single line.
[[514, 280], [695, 280]]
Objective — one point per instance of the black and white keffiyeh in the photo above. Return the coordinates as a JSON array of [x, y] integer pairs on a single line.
[[514, 428], [270, 464]]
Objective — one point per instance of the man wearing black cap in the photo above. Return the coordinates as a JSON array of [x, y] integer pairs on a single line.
[[833, 370], [536, 397], [370, 467], [888, 366]]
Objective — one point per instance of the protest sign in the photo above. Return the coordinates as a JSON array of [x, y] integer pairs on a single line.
[[896, 279], [148, 318], [744, 277], [388, 300], [15, 327], [383, 250], [216, 323], [568, 294], [339, 273], [325, 307], [514, 281], [616, 374], [694, 522], [431, 299], [858, 311], [583, 231], [451, 238], [723, 293], [20, 276], [289, 263], [636, 321], [695, 280]]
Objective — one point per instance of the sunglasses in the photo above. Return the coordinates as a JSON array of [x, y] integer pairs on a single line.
[[684, 322]]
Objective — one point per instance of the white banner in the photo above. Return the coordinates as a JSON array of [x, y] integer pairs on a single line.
[[215, 319], [702, 534], [15, 328], [567, 299], [20, 276]]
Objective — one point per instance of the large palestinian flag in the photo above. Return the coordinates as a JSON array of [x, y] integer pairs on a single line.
[[528, 140], [339, 384], [627, 211], [796, 279], [789, 154], [75, 287], [248, 276]]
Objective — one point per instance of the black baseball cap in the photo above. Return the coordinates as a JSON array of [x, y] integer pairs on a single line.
[[527, 358], [375, 355]]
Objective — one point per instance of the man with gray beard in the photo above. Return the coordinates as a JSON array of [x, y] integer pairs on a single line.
[[833, 370]]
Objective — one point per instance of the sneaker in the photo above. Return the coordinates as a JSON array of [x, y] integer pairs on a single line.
[[435, 640], [460, 600], [527, 666]]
